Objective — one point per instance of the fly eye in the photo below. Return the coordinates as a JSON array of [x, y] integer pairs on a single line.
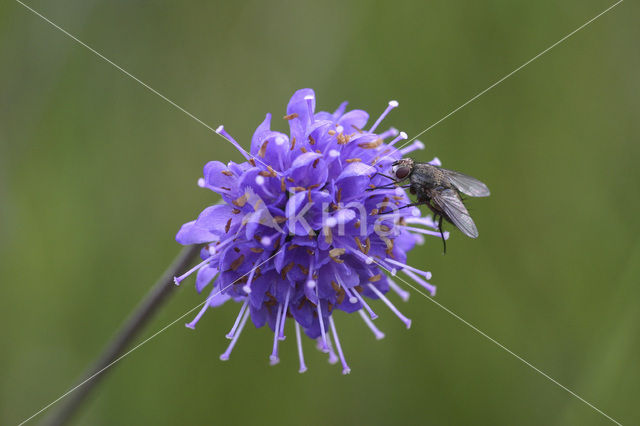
[[402, 172]]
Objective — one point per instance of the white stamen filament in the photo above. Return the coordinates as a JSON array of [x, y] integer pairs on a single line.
[[260, 180], [222, 132], [435, 162], [404, 295], [376, 332], [325, 346], [392, 132], [247, 287], [333, 358], [429, 287], [387, 302], [367, 259], [232, 332], [273, 358], [365, 305], [404, 266], [281, 336], [402, 135], [345, 367], [192, 324], [213, 250], [225, 355], [178, 280], [303, 366], [416, 145], [392, 105], [427, 232], [426, 221]]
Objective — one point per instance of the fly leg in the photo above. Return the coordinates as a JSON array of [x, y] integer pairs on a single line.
[[444, 242], [390, 186], [419, 203], [382, 174], [437, 213]]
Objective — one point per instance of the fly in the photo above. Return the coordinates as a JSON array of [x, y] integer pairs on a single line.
[[440, 189]]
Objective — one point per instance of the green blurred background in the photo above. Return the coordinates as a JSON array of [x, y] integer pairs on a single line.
[[97, 174]]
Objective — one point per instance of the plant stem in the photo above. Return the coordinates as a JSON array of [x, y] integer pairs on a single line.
[[140, 316]]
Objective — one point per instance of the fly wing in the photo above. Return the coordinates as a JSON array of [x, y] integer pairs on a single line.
[[450, 203], [467, 184]]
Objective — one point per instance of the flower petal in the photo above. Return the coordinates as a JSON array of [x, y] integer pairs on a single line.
[[190, 233]]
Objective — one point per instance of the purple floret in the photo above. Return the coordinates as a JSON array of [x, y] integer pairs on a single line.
[[301, 232]]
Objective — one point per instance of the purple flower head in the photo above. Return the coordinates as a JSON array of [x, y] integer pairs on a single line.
[[303, 228]]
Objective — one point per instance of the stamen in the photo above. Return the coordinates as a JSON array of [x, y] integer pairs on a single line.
[[192, 324], [345, 367], [367, 259], [201, 182], [225, 355], [232, 332], [426, 274], [333, 358], [430, 287], [387, 302], [273, 358], [309, 99], [435, 162], [404, 295], [392, 132], [311, 283], [284, 315], [366, 306], [222, 132], [416, 145], [426, 221], [247, 287], [303, 367], [260, 180], [427, 232], [392, 105], [213, 250], [178, 280], [325, 346], [402, 135], [376, 332], [352, 298]]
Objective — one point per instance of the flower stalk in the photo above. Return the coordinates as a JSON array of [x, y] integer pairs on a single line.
[[131, 328]]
